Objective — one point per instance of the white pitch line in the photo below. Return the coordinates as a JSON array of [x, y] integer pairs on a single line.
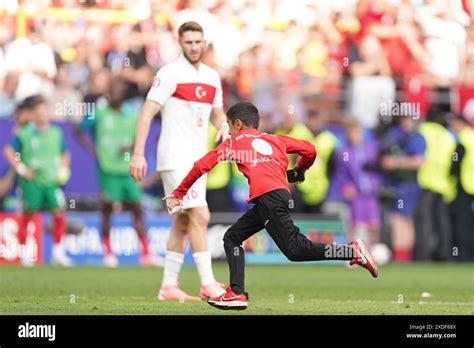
[[434, 303], [104, 296], [437, 303], [134, 297]]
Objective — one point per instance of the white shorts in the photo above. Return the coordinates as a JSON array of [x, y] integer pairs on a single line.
[[196, 196]]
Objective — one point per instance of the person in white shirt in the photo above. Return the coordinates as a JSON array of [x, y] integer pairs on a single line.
[[33, 59], [189, 95]]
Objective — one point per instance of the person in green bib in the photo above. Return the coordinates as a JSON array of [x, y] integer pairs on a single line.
[[113, 128], [39, 156], [8, 180], [462, 208]]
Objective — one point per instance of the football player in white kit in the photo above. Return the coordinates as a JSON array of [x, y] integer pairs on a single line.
[[189, 95]]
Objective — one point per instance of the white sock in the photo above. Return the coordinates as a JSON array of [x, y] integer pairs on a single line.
[[173, 263], [58, 250], [203, 262]]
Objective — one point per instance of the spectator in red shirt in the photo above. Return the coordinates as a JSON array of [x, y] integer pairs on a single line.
[[262, 158]]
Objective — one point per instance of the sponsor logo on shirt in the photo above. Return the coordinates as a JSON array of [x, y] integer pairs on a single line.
[[262, 147]]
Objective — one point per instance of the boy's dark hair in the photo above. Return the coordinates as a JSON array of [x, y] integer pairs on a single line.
[[246, 112], [189, 26]]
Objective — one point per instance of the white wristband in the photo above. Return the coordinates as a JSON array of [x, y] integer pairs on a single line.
[[21, 168]]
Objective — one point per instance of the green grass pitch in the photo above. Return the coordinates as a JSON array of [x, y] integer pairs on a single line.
[[309, 289]]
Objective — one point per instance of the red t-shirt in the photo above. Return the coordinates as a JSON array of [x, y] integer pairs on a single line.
[[261, 157]]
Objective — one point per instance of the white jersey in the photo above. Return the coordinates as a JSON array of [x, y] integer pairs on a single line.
[[187, 95]]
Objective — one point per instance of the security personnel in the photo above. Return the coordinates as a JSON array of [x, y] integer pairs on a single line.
[[316, 185], [462, 208], [314, 189], [432, 221], [291, 127]]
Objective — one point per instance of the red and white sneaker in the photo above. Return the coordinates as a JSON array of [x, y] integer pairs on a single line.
[[174, 293], [229, 300], [212, 290], [363, 257]]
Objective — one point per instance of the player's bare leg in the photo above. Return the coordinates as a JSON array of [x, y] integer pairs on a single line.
[[110, 260], [170, 290], [198, 221], [199, 218], [179, 233]]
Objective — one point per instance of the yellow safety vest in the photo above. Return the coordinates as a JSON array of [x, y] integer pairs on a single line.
[[466, 138], [219, 176], [435, 172], [316, 185], [300, 132]]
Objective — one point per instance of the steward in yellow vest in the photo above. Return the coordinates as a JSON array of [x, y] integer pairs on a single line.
[[291, 127], [315, 188], [435, 173], [462, 208], [316, 185], [297, 131], [432, 217]]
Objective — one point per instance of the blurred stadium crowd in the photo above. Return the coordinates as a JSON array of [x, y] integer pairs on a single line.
[[384, 89]]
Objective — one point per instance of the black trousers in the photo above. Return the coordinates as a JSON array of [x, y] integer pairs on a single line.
[[462, 217], [433, 234], [271, 211]]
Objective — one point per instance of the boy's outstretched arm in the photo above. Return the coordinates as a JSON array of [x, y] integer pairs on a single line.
[[304, 148], [201, 166]]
